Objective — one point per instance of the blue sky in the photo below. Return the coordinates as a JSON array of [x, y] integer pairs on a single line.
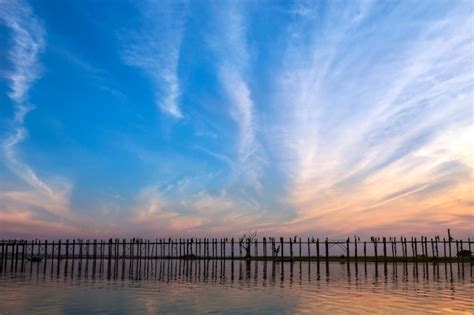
[[220, 117]]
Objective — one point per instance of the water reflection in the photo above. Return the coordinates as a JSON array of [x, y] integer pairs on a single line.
[[239, 286], [213, 269]]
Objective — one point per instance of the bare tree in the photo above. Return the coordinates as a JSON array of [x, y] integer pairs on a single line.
[[248, 239]]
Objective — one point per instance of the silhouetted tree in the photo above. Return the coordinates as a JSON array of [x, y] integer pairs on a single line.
[[248, 239]]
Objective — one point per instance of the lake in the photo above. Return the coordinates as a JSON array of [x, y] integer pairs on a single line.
[[236, 287]]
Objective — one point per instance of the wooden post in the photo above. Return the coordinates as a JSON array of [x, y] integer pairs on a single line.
[[416, 248], [225, 247], [147, 249], [423, 247], [240, 247], [87, 253], [73, 250], [432, 248], [444, 248], [67, 250], [291, 248], [264, 248], [94, 252], [384, 249], [309, 249], [426, 248], [327, 249], [12, 256], [282, 250], [365, 251], [347, 249], [212, 248], [22, 256], [300, 247], [449, 243], [199, 246], [355, 248], [469, 244], [39, 248], [457, 247], [109, 252], [161, 246], [204, 247], [59, 256], [220, 247], [402, 243], [2, 255], [406, 249], [274, 254], [52, 255], [394, 247], [180, 247], [17, 243], [256, 248], [249, 246], [375, 250], [317, 249]]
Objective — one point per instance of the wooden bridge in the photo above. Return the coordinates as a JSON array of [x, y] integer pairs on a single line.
[[16, 253]]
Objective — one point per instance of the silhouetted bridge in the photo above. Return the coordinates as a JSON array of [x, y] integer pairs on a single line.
[[16, 253]]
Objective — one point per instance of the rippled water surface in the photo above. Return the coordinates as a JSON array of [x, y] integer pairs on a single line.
[[238, 287]]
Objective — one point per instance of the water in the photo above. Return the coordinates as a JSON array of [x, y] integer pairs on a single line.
[[238, 287]]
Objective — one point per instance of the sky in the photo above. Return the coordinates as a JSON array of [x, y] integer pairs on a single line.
[[216, 118]]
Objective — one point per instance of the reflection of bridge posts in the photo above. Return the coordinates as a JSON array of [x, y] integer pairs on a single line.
[[282, 275], [231, 267], [273, 271]]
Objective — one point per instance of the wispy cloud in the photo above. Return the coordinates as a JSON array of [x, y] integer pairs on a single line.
[[361, 125], [28, 41], [156, 50], [230, 46], [170, 209]]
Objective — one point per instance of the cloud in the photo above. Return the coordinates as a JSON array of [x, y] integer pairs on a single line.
[[28, 41], [156, 50], [230, 47], [364, 125], [185, 210]]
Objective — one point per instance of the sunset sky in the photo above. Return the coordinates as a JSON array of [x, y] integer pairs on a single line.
[[194, 118]]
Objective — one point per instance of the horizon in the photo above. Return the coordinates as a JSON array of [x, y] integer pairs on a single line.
[[200, 119]]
